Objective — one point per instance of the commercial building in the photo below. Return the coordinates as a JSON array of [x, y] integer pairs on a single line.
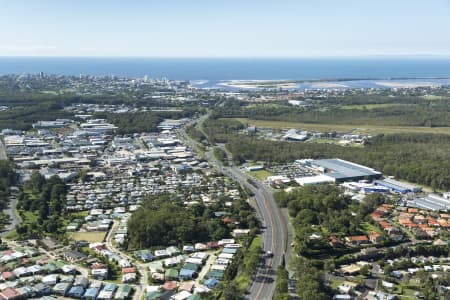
[[311, 180], [398, 187], [341, 170]]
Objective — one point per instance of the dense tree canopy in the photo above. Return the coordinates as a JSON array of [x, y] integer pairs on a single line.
[[8, 177], [164, 220], [46, 199], [421, 158], [324, 210], [361, 109]]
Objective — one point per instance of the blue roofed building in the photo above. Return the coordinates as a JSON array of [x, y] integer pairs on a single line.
[[186, 274], [91, 294], [398, 187], [230, 250], [76, 292], [211, 282]]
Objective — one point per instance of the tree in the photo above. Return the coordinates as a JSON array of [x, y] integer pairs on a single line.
[[231, 291]]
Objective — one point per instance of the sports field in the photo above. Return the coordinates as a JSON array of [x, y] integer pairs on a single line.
[[91, 236]]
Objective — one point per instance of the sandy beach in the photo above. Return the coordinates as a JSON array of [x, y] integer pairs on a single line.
[[396, 84]]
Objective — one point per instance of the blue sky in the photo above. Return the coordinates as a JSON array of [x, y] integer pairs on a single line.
[[227, 28]]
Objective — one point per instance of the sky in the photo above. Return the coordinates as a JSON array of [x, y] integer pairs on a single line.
[[227, 28]]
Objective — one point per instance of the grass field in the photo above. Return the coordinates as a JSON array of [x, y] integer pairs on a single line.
[[91, 236], [369, 106], [261, 174], [333, 141], [361, 129], [433, 97], [28, 218]]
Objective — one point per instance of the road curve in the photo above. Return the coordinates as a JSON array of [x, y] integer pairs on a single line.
[[274, 234]]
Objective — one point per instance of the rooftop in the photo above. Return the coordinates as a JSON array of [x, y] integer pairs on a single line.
[[340, 169]]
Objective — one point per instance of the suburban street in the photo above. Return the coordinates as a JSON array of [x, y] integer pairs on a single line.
[[13, 216], [142, 268]]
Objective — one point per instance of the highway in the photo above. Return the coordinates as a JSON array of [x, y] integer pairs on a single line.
[[275, 232]]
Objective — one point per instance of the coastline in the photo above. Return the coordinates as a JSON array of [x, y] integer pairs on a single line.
[[339, 83]]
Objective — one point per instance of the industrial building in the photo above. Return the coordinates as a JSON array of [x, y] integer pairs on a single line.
[[398, 187], [311, 180], [431, 202], [341, 170], [292, 135]]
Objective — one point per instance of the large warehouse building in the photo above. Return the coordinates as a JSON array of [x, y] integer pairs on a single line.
[[341, 170], [398, 187], [431, 202]]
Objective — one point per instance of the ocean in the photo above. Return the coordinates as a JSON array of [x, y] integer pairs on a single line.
[[216, 69]]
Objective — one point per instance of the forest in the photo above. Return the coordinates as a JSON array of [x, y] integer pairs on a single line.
[[420, 158], [45, 200], [324, 210], [415, 157], [349, 110], [164, 220], [26, 108]]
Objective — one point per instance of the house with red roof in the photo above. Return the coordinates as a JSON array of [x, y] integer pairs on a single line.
[[8, 276], [10, 293], [357, 240], [375, 237]]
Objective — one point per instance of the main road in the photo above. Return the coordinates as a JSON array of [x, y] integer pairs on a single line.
[[275, 233]]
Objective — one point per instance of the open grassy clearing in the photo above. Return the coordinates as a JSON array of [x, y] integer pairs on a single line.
[[260, 174], [333, 141], [79, 214], [28, 218], [432, 97], [368, 228], [361, 129], [370, 106], [91, 236]]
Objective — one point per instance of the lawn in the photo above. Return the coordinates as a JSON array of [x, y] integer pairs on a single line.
[[28, 218], [257, 242], [361, 129], [260, 174], [333, 141], [369, 106], [368, 228], [433, 97], [334, 283], [79, 214], [91, 236]]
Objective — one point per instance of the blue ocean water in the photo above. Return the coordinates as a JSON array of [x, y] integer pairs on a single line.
[[213, 69]]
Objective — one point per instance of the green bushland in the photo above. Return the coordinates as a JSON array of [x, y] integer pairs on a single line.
[[221, 156], [164, 220], [282, 284], [42, 203]]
